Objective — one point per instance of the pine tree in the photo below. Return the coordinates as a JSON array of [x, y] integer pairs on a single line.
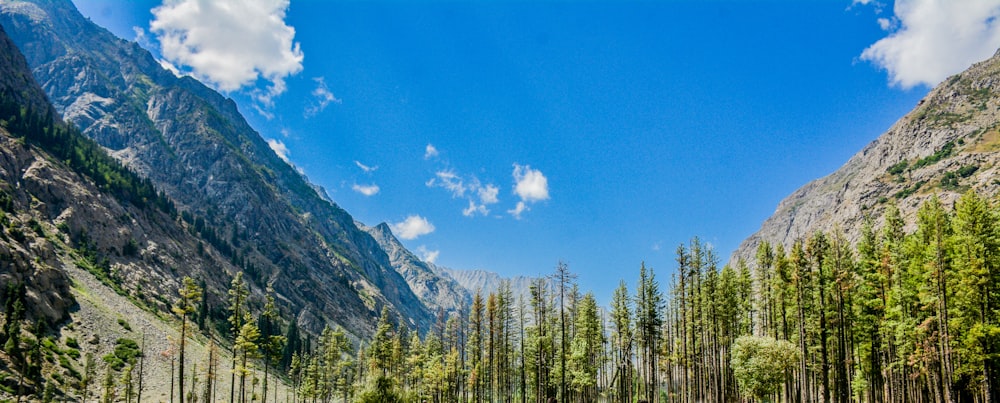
[[109, 394], [649, 303], [563, 278], [977, 250], [801, 279], [622, 339], [817, 250], [237, 298], [211, 373], [586, 349], [247, 349], [272, 343], [13, 346], [189, 293], [476, 348]]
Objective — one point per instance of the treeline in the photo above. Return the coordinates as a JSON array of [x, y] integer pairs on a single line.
[[897, 316]]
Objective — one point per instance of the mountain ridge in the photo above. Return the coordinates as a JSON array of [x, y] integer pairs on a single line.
[[947, 144], [75, 227], [195, 146]]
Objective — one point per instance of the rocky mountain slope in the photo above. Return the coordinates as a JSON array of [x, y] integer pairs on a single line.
[[244, 203], [948, 144], [437, 291], [27, 256], [73, 238]]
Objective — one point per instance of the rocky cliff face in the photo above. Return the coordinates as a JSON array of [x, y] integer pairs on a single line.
[[244, 202], [26, 255], [948, 144]]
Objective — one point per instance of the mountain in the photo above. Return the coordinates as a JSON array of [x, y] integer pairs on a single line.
[[244, 203], [948, 144], [486, 282], [437, 292], [77, 228], [28, 257]]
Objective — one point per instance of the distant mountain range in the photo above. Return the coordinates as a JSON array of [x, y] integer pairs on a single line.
[[487, 282]]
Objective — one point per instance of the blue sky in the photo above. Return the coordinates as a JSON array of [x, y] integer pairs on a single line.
[[510, 135]]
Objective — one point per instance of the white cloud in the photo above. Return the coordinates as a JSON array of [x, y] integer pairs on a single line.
[[530, 184], [430, 151], [141, 38], [367, 190], [279, 148], [322, 97], [427, 255], [449, 180], [170, 67], [230, 43], [932, 39], [885, 23], [488, 194], [261, 109], [366, 168], [478, 195], [474, 208], [520, 208], [412, 227]]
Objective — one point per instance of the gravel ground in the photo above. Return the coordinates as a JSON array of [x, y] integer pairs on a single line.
[[96, 326]]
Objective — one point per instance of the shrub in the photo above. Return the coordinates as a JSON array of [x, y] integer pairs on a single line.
[[967, 171], [898, 168], [759, 364], [949, 181], [946, 150], [126, 351]]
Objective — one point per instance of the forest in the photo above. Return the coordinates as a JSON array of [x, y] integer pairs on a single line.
[[899, 316], [909, 312]]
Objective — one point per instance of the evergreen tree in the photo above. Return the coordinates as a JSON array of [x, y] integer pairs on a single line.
[[976, 254], [272, 342], [563, 278], [648, 307], [247, 349], [586, 349], [189, 293], [622, 342], [237, 298]]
